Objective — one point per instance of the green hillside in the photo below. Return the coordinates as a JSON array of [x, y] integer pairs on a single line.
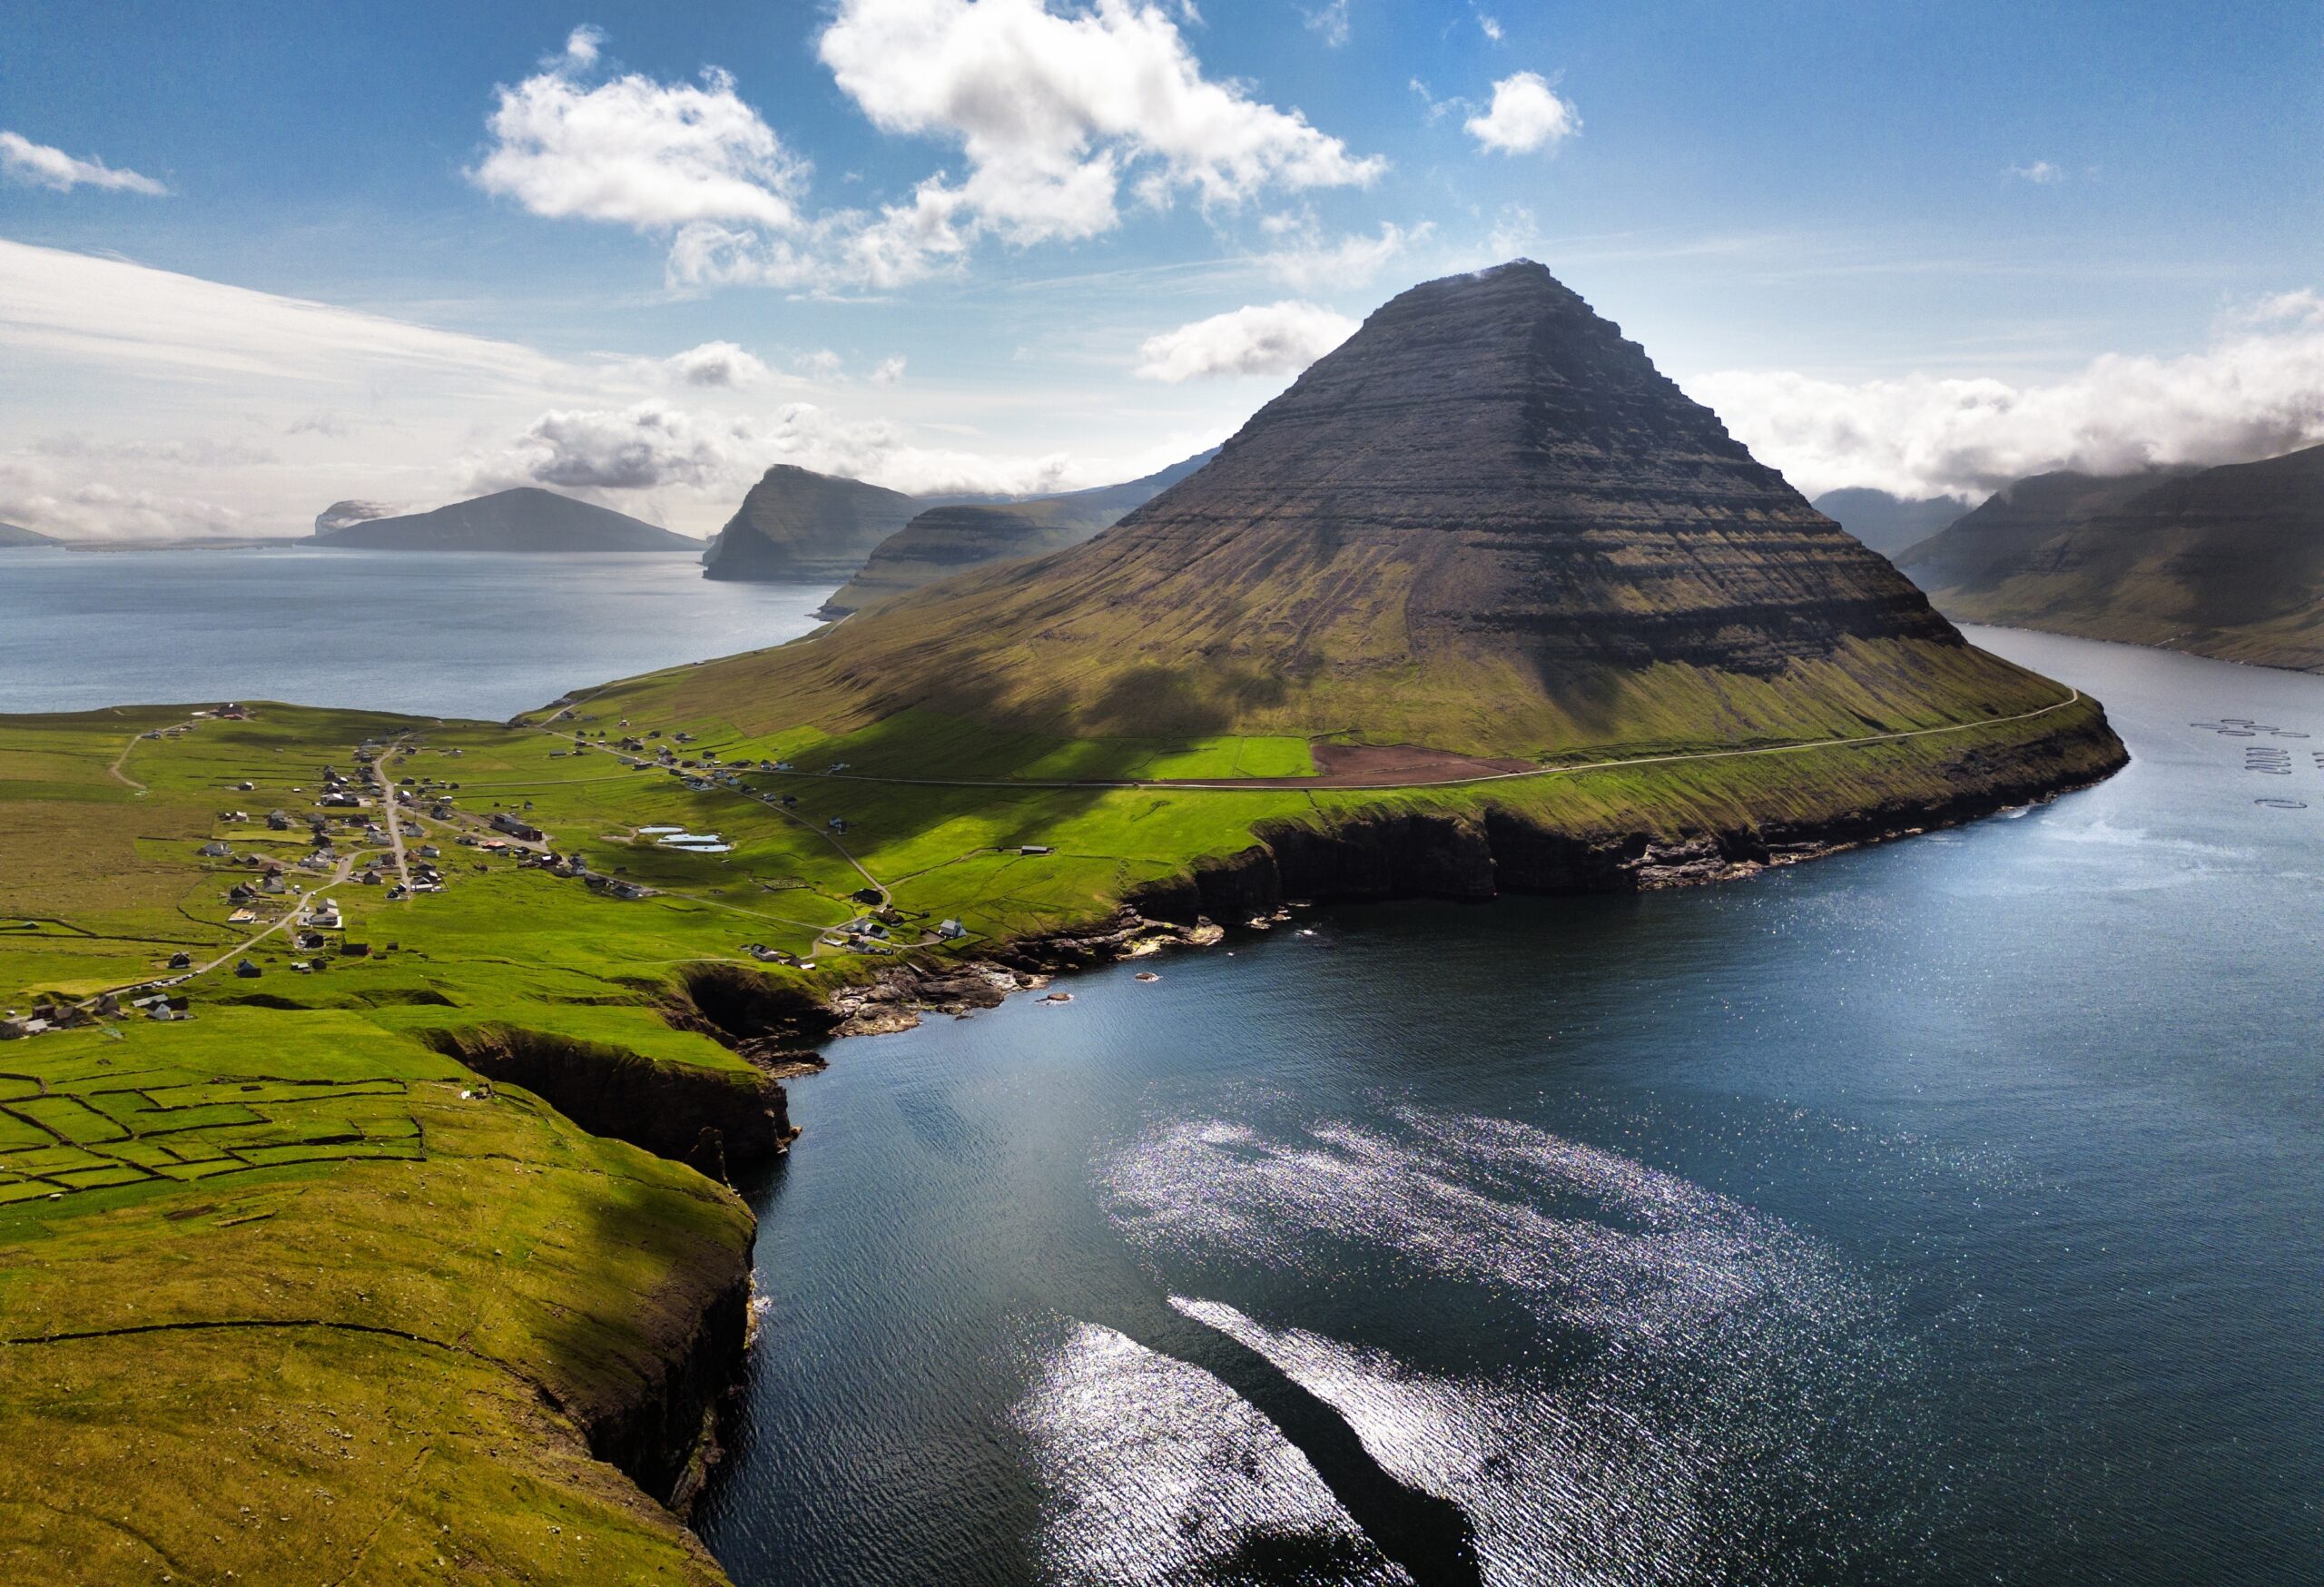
[[2227, 562]]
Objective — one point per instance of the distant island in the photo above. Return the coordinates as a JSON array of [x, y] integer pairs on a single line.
[[944, 541], [13, 537], [527, 519], [2225, 562]]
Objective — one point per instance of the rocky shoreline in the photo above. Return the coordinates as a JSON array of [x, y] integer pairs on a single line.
[[1413, 854], [665, 1438]]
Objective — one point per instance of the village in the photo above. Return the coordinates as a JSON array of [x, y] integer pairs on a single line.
[[377, 823]]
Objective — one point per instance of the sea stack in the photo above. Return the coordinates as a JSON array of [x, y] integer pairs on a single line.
[[1486, 523]]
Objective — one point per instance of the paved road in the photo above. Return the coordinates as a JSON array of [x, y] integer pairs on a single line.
[[395, 815], [1301, 784]]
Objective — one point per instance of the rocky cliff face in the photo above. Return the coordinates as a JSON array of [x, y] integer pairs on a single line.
[[2226, 562], [945, 540], [524, 519], [799, 526], [1484, 522], [706, 1119]]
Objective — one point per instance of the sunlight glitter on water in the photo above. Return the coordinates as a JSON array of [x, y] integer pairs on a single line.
[[1696, 1328], [1155, 1471]]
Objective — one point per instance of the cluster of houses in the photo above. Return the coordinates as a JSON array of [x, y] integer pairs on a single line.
[[42, 1018]]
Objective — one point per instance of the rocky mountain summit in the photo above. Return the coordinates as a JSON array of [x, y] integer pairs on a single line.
[[524, 519], [1487, 523], [2226, 562], [945, 540]]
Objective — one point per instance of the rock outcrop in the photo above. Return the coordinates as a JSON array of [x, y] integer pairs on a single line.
[[705, 1119], [2226, 562], [945, 540], [799, 526], [524, 519]]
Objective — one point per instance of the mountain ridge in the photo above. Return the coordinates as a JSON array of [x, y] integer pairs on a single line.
[[1887, 523], [2226, 562], [943, 540]]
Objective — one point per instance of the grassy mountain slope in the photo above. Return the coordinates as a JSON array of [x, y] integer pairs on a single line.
[[2227, 562], [1485, 523], [945, 540]]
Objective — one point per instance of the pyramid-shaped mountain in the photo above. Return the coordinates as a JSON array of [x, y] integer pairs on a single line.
[[1486, 523]]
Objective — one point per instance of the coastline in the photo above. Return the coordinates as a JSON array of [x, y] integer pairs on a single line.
[[654, 1420]]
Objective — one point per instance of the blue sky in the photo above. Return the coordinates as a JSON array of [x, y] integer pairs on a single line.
[[1918, 245]]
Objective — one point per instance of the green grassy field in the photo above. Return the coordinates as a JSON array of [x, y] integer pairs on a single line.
[[379, 1306]]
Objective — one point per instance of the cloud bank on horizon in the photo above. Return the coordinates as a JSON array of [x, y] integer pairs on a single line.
[[2256, 393], [968, 146]]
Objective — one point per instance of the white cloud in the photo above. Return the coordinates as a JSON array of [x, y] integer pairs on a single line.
[[634, 449], [822, 364], [171, 405], [1054, 112], [888, 370], [581, 45], [636, 152], [2041, 173], [1488, 23], [1330, 19], [38, 165], [655, 444], [1515, 231], [2258, 391], [1305, 259], [54, 502], [157, 323], [1271, 339], [717, 363], [1526, 114]]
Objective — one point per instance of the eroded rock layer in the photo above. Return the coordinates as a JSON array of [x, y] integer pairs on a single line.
[[1485, 523]]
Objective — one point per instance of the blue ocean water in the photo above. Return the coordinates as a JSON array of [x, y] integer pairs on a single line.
[[436, 634], [1941, 1212]]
